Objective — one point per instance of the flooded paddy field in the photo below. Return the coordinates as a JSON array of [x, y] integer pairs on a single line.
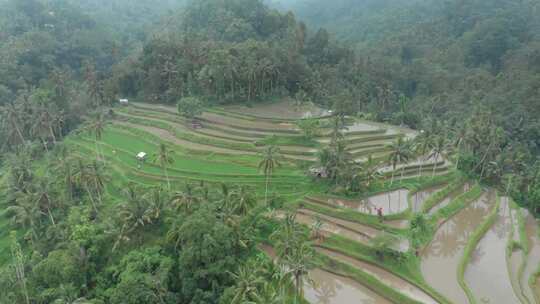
[[487, 274], [392, 202], [285, 109], [327, 288], [441, 257]]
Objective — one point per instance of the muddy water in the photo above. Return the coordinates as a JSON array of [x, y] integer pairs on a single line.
[[359, 126], [534, 255], [328, 288], [517, 257], [489, 261], [390, 202], [441, 257], [354, 231], [284, 109], [515, 260], [400, 224], [418, 199], [384, 276], [447, 200], [221, 119]]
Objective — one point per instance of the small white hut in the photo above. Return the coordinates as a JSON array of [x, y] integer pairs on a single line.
[[123, 101], [141, 156]]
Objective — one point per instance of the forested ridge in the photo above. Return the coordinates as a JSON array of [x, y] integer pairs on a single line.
[[462, 64], [464, 74]]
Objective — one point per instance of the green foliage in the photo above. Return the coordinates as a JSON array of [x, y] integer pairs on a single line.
[[419, 230], [309, 127], [190, 107], [142, 276]]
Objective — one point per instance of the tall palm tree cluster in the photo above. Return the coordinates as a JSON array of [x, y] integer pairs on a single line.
[[294, 253], [31, 118], [36, 201], [71, 201], [480, 147]]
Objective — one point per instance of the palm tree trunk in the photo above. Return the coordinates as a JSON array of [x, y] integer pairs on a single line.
[[167, 177], [91, 199], [458, 155], [51, 216], [266, 191], [392, 179], [97, 149], [298, 282], [52, 134], [435, 165]]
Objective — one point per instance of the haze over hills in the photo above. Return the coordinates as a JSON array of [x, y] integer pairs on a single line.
[[230, 151]]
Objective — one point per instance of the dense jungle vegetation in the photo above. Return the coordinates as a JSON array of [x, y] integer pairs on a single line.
[[466, 73]]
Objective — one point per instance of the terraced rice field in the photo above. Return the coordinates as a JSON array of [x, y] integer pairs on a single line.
[[226, 149]]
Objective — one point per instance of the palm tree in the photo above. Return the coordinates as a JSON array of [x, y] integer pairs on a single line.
[[19, 265], [95, 180], [460, 136], [97, 127], [185, 200], [423, 144], [268, 294], [316, 229], [12, 124], [370, 172], [225, 199], [135, 211], [164, 157], [157, 199], [338, 124], [400, 153], [286, 236], [268, 164], [42, 197], [298, 263], [437, 151], [242, 200], [25, 214], [246, 284]]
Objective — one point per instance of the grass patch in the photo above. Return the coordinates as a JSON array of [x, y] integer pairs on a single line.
[[283, 140]]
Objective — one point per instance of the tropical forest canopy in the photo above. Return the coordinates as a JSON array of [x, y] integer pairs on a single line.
[[465, 73]]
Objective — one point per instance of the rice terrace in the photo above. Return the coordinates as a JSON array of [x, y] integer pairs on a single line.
[[359, 253], [269, 152]]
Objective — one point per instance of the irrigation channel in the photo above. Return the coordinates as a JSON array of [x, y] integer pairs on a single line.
[[500, 266]]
